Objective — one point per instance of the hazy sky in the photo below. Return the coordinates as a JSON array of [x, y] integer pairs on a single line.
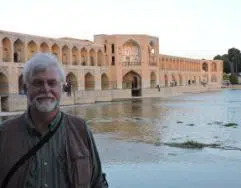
[[189, 28]]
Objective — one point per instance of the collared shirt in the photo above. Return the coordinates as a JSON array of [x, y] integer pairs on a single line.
[[48, 167]]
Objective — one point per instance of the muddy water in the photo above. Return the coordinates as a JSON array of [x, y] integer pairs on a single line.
[[131, 137]]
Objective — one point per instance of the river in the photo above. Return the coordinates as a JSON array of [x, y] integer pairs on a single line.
[[132, 138]]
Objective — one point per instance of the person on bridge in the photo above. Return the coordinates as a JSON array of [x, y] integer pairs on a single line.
[[45, 147]]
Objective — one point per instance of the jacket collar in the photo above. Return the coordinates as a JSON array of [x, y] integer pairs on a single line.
[[30, 125]]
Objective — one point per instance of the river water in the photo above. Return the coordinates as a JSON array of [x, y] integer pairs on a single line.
[[131, 136]]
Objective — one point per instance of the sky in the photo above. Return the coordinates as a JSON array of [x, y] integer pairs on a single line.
[[187, 28]]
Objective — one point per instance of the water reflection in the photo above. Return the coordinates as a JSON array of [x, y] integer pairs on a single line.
[[158, 120], [132, 120]]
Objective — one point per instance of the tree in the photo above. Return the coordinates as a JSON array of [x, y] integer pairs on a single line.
[[231, 61], [227, 65], [233, 79], [233, 56]]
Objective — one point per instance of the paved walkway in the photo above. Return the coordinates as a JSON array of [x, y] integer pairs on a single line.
[[10, 113]]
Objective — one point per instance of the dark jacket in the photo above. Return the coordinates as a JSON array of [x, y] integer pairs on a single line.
[[84, 167]]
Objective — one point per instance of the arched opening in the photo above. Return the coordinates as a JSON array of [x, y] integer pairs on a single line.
[[214, 67], [3, 85], [32, 49], [6, 46], [56, 51], [84, 58], [173, 82], [131, 53], [205, 67], [4, 92], [18, 55], [44, 47], [72, 84], [132, 81], [15, 57], [75, 56], [65, 55], [104, 82], [151, 53], [153, 80], [100, 58], [152, 47], [89, 82], [92, 57]]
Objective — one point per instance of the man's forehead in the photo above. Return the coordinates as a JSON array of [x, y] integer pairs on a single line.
[[48, 74]]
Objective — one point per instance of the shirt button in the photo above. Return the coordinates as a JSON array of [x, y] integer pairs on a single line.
[[45, 163], [45, 185]]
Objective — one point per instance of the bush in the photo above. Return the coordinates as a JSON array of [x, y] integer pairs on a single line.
[[233, 79], [225, 77]]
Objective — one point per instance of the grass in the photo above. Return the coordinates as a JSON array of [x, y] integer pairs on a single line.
[[157, 142], [190, 144], [234, 125], [230, 125]]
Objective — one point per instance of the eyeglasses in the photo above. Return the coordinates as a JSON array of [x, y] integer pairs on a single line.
[[41, 83]]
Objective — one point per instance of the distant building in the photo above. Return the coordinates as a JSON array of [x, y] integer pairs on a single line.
[[108, 68]]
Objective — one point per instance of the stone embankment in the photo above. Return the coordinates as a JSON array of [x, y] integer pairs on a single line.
[[16, 104]]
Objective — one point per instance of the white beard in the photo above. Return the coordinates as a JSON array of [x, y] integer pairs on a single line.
[[47, 105]]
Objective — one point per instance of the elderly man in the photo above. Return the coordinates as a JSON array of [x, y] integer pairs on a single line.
[[65, 154]]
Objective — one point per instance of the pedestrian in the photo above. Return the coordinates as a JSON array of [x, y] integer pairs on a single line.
[[158, 88], [69, 86], [59, 149]]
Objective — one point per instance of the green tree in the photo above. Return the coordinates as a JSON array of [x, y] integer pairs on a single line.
[[233, 57], [231, 61], [227, 65], [233, 79]]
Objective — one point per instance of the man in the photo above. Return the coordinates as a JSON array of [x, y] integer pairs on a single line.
[[69, 159]]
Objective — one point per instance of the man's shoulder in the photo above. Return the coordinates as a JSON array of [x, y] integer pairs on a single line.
[[75, 121]]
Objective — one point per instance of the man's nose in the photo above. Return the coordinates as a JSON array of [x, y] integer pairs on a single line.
[[45, 87]]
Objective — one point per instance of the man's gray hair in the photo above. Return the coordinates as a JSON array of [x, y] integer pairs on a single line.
[[41, 62]]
